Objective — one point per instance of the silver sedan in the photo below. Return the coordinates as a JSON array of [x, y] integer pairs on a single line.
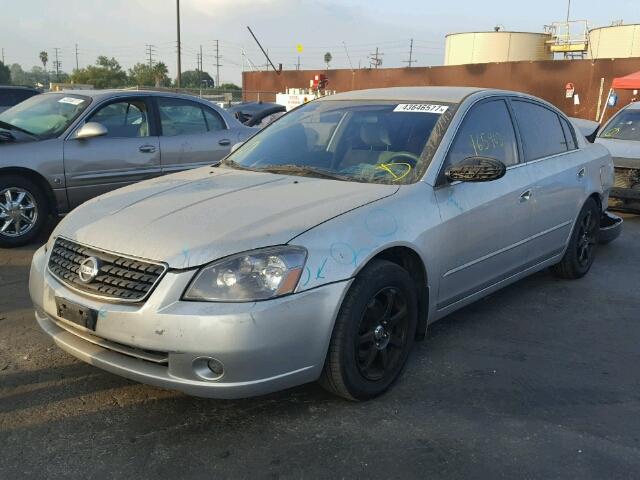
[[325, 245], [58, 150]]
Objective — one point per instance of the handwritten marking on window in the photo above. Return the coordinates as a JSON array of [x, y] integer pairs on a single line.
[[486, 141], [393, 170]]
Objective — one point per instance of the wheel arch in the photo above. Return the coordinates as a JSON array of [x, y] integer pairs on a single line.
[[36, 178], [411, 261]]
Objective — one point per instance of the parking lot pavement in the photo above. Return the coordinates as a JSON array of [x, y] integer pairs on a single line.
[[540, 380]]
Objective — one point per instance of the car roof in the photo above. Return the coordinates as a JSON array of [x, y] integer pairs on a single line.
[[112, 93], [17, 87], [409, 94], [632, 106]]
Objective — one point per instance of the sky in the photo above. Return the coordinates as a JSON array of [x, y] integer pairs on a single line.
[[123, 28]]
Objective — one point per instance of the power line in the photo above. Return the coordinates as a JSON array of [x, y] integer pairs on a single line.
[[150, 50], [411, 60], [217, 64], [375, 59], [57, 63], [179, 77]]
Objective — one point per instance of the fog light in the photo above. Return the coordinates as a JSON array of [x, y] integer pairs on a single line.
[[215, 366], [208, 368]]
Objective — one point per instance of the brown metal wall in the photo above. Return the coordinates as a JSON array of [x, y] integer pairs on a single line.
[[545, 79]]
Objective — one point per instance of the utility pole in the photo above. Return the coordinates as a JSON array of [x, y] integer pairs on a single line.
[[77, 67], [3, 56], [347, 52], [411, 60], [57, 63], [376, 58], [218, 65], [179, 76], [568, 9], [298, 64], [150, 51]]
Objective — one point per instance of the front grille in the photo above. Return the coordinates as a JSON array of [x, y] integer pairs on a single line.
[[626, 177], [119, 278]]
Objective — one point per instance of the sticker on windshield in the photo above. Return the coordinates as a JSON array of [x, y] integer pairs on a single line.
[[421, 108], [71, 100]]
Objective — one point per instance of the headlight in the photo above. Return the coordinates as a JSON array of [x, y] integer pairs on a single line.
[[256, 275]]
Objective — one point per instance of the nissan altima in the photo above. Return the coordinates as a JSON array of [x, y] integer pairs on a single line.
[[325, 245]]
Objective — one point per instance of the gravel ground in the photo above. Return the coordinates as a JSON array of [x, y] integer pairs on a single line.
[[540, 380]]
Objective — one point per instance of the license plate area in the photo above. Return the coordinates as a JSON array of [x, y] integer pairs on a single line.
[[74, 313]]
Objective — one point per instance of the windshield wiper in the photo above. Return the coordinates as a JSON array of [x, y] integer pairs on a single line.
[[9, 126], [304, 170], [234, 164]]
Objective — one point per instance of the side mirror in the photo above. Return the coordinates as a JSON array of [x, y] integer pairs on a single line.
[[91, 129], [476, 169], [236, 146]]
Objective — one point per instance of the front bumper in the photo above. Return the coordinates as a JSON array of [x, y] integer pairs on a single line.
[[263, 346]]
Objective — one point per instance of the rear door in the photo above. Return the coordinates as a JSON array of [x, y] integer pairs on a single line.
[[558, 170], [130, 151], [485, 225], [192, 134]]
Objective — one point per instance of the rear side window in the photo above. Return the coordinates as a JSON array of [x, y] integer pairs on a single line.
[[569, 134], [487, 131], [541, 131], [182, 117]]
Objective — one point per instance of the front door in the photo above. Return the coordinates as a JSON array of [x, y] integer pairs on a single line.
[[485, 224], [192, 134], [129, 152]]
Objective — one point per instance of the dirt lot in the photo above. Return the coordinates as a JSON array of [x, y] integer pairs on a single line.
[[540, 380]]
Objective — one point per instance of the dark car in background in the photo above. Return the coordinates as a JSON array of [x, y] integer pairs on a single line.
[[621, 136], [13, 95], [257, 114], [58, 150]]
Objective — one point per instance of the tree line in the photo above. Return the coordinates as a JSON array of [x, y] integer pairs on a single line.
[[106, 73]]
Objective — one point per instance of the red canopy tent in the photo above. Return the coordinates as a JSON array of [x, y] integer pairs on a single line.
[[628, 82]]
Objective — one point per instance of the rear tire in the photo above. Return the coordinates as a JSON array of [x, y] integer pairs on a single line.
[[373, 334], [581, 250], [23, 211]]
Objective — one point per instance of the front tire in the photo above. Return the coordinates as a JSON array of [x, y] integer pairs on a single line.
[[373, 334], [22, 211], [581, 250]]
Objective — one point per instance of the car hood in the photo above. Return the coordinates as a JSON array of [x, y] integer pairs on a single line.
[[191, 218], [625, 153]]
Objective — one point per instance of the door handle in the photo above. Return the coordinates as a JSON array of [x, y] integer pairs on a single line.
[[525, 196], [582, 173], [224, 142], [147, 148]]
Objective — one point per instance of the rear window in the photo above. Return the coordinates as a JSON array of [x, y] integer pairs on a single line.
[[541, 130]]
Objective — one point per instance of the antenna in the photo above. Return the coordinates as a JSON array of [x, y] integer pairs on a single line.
[[265, 53], [347, 52]]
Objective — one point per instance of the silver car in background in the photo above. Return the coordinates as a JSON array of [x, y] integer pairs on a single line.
[[621, 136], [326, 244], [58, 150]]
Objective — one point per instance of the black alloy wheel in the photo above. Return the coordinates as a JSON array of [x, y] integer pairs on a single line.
[[382, 334]]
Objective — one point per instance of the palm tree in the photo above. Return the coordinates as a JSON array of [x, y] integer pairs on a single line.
[[327, 59], [160, 71], [44, 58]]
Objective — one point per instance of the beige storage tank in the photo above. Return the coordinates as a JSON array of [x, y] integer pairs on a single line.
[[618, 41], [500, 46]]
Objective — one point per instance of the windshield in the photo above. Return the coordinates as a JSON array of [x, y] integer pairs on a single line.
[[362, 141], [625, 126], [46, 116]]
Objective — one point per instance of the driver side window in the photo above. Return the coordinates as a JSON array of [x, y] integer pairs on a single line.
[[486, 131]]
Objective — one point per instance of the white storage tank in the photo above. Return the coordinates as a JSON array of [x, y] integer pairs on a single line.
[[496, 46], [617, 41]]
